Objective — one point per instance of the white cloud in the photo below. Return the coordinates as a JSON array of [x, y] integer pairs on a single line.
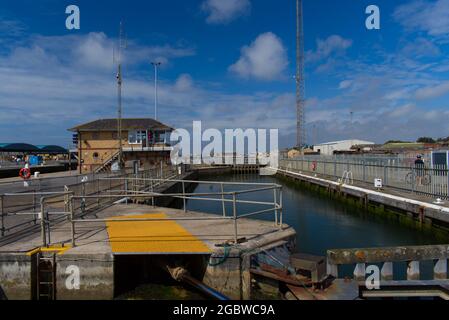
[[345, 84], [224, 11], [427, 16], [433, 91], [421, 47], [265, 58], [334, 44], [184, 82], [43, 81]]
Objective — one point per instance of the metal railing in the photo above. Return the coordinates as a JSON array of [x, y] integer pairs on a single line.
[[21, 210], [223, 196], [46, 209], [433, 182]]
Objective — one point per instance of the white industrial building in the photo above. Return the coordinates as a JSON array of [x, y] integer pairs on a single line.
[[329, 148]]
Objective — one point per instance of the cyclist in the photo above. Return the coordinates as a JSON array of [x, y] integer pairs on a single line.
[[419, 170]]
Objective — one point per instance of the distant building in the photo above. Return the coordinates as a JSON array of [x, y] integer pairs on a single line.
[[330, 148], [145, 140]]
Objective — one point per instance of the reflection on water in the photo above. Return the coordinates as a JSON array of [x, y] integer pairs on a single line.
[[321, 223]]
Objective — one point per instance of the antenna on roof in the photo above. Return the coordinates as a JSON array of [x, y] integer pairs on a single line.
[[117, 56]]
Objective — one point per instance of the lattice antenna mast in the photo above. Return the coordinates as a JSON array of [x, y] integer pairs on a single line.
[[118, 60], [300, 81]]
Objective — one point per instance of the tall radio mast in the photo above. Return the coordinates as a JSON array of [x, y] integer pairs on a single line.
[[300, 82], [118, 60]]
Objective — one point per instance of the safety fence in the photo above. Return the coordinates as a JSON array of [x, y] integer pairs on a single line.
[[34, 211], [430, 181], [22, 208], [235, 198]]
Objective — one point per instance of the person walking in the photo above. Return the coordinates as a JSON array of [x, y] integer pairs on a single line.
[[419, 170]]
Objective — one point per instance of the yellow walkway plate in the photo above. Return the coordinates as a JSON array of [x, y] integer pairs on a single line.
[[153, 237], [52, 249]]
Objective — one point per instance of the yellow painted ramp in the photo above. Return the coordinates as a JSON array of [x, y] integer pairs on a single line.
[[152, 237]]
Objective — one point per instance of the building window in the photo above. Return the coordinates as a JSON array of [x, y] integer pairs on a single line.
[[136, 136], [95, 155], [95, 135]]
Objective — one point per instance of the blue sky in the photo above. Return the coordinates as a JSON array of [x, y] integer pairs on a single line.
[[229, 63]]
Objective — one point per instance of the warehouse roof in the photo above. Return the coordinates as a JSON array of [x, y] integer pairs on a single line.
[[127, 124]]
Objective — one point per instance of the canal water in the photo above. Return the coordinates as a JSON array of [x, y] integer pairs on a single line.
[[321, 223]]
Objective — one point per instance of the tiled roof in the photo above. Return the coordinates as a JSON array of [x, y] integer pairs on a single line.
[[127, 124]]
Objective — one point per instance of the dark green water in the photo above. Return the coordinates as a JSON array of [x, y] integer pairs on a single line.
[[322, 223]]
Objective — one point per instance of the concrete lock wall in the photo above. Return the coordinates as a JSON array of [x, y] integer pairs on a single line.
[[16, 276], [85, 277], [232, 276]]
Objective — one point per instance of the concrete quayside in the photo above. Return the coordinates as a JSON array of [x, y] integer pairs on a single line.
[[96, 238]]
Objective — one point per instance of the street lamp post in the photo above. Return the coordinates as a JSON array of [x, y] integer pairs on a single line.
[[156, 65]]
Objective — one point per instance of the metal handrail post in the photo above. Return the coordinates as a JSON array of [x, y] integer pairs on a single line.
[[234, 209], [2, 217], [223, 200], [47, 220], [98, 191], [72, 222], [83, 193], [184, 197], [275, 207], [42, 217], [34, 208], [281, 208]]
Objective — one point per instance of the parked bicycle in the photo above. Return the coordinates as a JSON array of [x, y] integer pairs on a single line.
[[412, 178]]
